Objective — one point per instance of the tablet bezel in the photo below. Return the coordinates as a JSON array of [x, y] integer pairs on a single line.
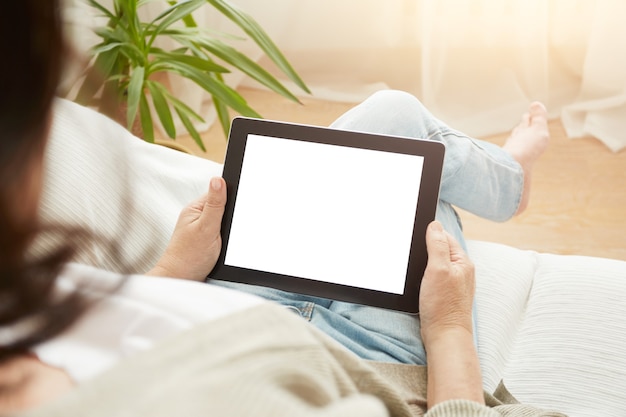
[[431, 151]]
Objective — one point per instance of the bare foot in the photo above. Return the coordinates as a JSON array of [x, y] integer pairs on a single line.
[[528, 141]]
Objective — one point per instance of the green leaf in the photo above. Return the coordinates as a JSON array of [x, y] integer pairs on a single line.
[[118, 77], [135, 91], [89, 86], [246, 65], [107, 33], [103, 9], [135, 54], [191, 129], [173, 14], [127, 8], [162, 108], [189, 20], [185, 113], [258, 35], [146, 119], [218, 89], [190, 60], [190, 44], [195, 33], [194, 39], [222, 115], [104, 47], [182, 106], [141, 3], [222, 111], [101, 69]]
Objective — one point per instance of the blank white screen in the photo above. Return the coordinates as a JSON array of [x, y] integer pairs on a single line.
[[325, 212]]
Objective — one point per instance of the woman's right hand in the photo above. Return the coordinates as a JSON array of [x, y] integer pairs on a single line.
[[447, 291], [446, 301]]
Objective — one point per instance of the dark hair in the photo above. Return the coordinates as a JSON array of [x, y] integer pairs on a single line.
[[32, 47]]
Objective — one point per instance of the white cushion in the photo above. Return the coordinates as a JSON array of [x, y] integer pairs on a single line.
[[551, 326], [101, 177]]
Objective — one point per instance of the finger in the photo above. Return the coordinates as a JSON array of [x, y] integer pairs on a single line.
[[437, 244], [456, 251], [459, 257]]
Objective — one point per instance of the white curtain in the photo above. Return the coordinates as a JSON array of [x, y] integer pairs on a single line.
[[475, 63]]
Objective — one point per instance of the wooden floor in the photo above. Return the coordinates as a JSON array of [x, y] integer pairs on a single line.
[[578, 200]]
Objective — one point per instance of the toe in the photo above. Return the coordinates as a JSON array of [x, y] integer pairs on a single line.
[[537, 109]]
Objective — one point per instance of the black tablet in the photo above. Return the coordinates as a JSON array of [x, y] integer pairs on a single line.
[[330, 213]]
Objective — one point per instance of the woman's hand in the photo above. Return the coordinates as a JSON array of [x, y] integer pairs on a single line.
[[196, 241], [447, 292], [446, 300]]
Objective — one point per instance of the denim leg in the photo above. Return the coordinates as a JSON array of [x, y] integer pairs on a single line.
[[477, 176], [371, 333]]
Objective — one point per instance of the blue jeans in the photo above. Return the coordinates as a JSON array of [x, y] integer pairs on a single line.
[[477, 176]]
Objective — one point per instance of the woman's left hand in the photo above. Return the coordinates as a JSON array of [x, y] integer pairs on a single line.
[[196, 241]]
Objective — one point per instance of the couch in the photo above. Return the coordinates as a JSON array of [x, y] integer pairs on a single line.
[[551, 326]]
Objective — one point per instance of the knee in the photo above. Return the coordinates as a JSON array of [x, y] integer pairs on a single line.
[[397, 99], [401, 113], [400, 104], [390, 112]]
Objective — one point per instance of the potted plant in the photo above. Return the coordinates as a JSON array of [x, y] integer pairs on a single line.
[[128, 65]]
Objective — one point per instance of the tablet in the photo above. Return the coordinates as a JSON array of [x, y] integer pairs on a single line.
[[329, 213]]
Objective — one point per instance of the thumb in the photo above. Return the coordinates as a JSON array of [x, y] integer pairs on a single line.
[[437, 244], [215, 202]]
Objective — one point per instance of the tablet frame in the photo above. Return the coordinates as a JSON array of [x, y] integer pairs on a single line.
[[433, 154]]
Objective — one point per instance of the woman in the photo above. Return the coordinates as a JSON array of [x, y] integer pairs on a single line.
[[261, 359]]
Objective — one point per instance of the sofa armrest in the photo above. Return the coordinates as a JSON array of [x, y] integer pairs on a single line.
[[552, 327], [100, 177]]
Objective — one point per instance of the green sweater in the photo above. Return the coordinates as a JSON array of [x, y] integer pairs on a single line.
[[263, 361]]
